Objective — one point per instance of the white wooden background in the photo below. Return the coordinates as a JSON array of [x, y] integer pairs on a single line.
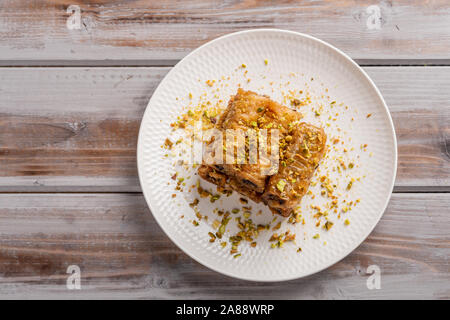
[[71, 101]]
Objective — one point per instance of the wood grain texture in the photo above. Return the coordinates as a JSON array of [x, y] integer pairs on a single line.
[[123, 253], [155, 32], [75, 129]]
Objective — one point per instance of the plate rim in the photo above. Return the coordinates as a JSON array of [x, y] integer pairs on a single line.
[[193, 255]]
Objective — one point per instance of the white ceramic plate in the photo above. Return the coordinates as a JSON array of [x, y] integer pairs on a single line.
[[276, 61]]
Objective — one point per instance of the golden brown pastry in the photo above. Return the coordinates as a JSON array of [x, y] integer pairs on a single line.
[[301, 147]]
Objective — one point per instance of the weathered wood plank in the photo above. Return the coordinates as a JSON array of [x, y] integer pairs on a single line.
[[76, 129], [421, 113], [150, 32], [123, 253]]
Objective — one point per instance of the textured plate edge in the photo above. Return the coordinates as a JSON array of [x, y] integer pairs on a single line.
[[338, 51]]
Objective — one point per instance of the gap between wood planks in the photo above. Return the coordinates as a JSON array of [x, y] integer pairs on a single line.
[[171, 63]]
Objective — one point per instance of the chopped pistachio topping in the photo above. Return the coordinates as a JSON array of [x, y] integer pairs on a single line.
[[278, 226], [243, 200], [280, 185], [214, 198]]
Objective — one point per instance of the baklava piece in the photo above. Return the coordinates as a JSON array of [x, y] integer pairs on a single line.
[[301, 147]]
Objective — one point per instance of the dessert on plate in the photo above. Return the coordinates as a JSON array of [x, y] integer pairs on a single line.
[[264, 152]]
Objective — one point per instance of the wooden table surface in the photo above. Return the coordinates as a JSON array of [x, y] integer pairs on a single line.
[[71, 100]]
